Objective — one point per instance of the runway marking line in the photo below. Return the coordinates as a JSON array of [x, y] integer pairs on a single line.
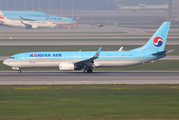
[[69, 82]]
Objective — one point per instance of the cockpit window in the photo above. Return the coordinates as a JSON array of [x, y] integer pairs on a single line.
[[11, 57]]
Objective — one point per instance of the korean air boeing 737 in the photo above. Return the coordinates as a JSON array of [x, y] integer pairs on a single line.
[[23, 23], [152, 50], [37, 16]]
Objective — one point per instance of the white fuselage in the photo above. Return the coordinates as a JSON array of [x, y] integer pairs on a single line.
[[40, 23], [15, 23], [28, 24]]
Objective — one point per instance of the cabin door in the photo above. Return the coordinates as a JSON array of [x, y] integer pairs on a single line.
[[140, 57], [21, 57]]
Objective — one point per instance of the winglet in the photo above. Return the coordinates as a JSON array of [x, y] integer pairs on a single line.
[[121, 49], [97, 53]]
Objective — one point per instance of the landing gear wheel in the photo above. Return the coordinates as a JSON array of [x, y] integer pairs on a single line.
[[19, 71], [89, 70], [85, 71]]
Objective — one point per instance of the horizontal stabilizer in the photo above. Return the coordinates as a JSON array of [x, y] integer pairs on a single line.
[[163, 52], [169, 51]]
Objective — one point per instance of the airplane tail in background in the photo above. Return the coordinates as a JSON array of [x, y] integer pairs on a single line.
[[2, 16], [158, 40]]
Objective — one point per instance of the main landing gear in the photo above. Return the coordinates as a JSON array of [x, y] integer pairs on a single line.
[[88, 70], [19, 71]]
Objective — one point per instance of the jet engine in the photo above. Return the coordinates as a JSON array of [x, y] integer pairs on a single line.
[[69, 66], [66, 66], [34, 26]]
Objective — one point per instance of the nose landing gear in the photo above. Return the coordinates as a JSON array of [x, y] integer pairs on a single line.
[[15, 68], [19, 71]]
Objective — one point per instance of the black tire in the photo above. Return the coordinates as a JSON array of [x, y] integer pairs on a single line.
[[89, 71]]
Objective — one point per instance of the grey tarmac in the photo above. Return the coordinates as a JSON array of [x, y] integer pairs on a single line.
[[86, 38], [97, 77]]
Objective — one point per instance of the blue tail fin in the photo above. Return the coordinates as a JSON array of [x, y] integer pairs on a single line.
[[158, 40]]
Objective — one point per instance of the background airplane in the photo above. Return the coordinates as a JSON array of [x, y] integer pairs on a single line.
[[24, 23], [151, 51], [37, 16]]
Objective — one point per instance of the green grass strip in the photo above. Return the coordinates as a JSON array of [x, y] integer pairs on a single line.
[[89, 102]]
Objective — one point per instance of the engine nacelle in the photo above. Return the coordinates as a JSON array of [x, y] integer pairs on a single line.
[[34, 26], [66, 66]]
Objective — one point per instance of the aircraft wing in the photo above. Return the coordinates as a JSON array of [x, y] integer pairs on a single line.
[[89, 62], [27, 19], [27, 25]]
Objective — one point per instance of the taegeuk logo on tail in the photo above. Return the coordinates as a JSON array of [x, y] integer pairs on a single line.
[[157, 41]]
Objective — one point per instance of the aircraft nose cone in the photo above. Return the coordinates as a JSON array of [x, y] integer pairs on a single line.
[[5, 62]]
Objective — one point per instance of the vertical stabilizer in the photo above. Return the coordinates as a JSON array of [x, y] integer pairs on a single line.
[[2, 16], [158, 40]]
